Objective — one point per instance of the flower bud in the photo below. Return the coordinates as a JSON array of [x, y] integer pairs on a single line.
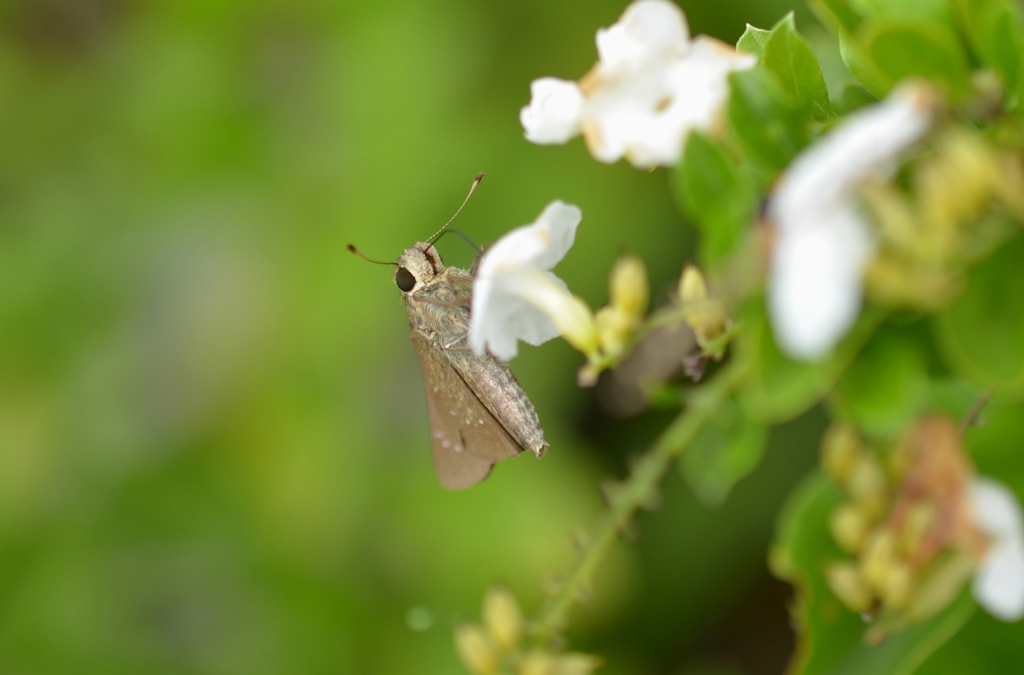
[[575, 663], [845, 582], [537, 663], [867, 485], [502, 618], [879, 559], [840, 450], [474, 650], [940, 588], [692, 287], [919, 520], [897, 588], [628, 286], [848, 525]]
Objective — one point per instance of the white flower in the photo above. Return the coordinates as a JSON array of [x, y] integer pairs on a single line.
[[650, 88], [999, 582], [823, 241], [516, 297], [554, 112]]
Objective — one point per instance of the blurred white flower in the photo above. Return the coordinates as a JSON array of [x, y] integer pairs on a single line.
[[650, 88], [516, 297], [554, 112], [823, 241], [999, 582]]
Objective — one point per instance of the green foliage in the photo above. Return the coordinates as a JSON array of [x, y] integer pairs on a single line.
[[886, 387], [831, 638], [901, 48], [994, 29], [789, 58], [717, 195], [982, 333], [766, 124], [754, 40], [726, 450], [777, 388]]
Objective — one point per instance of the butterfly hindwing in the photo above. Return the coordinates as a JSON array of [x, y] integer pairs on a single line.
[[466, 438]]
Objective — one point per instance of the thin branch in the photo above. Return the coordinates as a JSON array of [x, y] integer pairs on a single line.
[[637, 490], [974, 412]]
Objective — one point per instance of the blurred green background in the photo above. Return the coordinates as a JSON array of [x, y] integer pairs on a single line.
[[213, 436]]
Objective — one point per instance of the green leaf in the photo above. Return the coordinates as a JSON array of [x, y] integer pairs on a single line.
[[830, 637], [904, 9], [791, 60], [726, 450], [862, 67], [836, 14], [995, 32], [886, 387], [717, 196], [767, 126], [753, 41], [902, 48], [985, 646], [778, 388], [982, 333]]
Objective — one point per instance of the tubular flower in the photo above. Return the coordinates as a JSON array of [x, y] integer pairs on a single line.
[[652, 85], [516, 297], [823, 241], [999, 580]]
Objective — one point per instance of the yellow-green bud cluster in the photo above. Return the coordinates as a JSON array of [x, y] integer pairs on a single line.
[[617, 323], [903, 521], [629, 293], [495, 647], [929, 234], [705, 315]]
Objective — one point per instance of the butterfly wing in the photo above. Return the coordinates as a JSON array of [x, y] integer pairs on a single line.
[[496, 387], [466, 438]]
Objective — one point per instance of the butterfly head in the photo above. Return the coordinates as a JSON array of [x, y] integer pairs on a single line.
[[419, 265]]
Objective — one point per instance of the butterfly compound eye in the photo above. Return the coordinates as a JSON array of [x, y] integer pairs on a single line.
[[405, 280]]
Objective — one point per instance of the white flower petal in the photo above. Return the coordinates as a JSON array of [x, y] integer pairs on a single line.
[[542, 244], [514, 293], [814, 293], [553, 115], [822, 241], [861, 146], [699, 86], [999, 582], [648, 30]]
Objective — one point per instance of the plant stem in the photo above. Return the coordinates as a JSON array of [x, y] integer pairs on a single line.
[[637, 490]]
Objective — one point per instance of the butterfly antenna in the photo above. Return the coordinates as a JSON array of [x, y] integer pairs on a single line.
[[476, 181], [362, 255]]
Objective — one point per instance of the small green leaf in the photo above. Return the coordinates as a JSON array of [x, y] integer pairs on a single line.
[[982, 333], [726, 450], [886, 387], [717, 196], [790, 59], [830, 637], [767, 126], [862, 67], [835, 13], [753, 41], [778, 388], [902, 48]]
